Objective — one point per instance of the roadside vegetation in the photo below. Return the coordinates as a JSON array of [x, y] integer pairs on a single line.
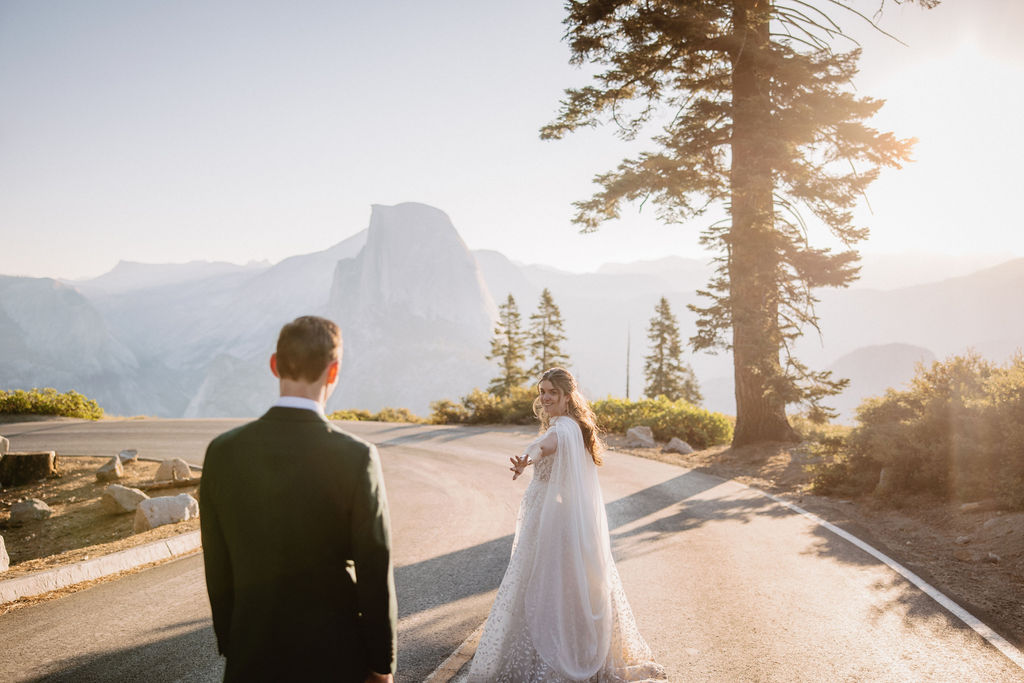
[[384, 415], [49, 401], [956, 434]]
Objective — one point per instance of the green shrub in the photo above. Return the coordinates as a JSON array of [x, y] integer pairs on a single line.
[[397, 415], [695, 425], [447, 412], [351, 415], [482, 407], [956, 433], [49, 402], [385, 415], [816, 431]]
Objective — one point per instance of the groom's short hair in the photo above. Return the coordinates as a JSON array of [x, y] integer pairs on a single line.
[[306, 346]]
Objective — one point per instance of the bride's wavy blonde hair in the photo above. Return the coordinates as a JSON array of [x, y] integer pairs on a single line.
[[577, 407]]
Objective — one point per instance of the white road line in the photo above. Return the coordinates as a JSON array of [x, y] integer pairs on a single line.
[[993, 638]]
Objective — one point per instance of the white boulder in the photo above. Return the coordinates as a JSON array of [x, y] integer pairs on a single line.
[[111, 471], [677, 445], [117, 499], [5, 559], [640, 437], [175, 468], [5, 445], [154, 512], [128, 455], [29, 509]]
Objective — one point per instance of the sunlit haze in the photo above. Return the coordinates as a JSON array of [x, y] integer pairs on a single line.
[[169, 132]]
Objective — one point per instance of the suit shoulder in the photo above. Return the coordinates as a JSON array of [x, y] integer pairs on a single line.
[[229, 436], [350, 443]]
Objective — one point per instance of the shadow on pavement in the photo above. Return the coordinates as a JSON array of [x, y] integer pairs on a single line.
[[187, 656], [479, 569]]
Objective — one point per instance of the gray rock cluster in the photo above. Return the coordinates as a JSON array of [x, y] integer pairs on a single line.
[[677, 445], [173, 469], [640, 437], [30, 509], [154, 512], [112, 471], [5, 559], [118, 499]]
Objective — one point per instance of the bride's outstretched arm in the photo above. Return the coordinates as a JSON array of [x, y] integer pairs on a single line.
[[534, 452]]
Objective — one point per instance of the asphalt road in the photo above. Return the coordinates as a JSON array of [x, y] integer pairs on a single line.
[[726, 584]]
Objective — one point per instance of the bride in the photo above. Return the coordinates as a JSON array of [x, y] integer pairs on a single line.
[[561, 614]]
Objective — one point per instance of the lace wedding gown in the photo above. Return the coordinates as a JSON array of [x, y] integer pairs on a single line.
[[561, 614]]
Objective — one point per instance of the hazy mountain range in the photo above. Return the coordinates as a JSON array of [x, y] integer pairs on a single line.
[[417, 309]]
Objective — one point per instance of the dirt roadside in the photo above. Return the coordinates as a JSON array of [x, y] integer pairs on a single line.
[[975, 557], [80, 527]]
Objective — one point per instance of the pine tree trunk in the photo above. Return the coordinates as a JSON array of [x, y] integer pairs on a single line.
[[754, 257]]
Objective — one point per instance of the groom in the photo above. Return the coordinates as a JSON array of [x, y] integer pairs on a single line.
[[296, 535]]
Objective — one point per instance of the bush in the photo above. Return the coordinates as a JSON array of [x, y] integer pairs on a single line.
[[697, 426], [49, 402], [447, 412], [385, 415], [956, 433], [482, 407]]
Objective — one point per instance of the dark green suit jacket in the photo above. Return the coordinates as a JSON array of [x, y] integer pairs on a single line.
[[297, 548]]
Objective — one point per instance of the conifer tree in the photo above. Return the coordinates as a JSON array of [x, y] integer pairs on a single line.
[[547, 334], [666, 373], [508, 347], [756, 117]]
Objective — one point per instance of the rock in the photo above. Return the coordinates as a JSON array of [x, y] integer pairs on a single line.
[[963, 555], [640, 437], [112, 471], [963, 540], [29, 510], [129, 455], [175, 468], [17, 469], [989, 523], [5, 445], [970, 507], [992, 558], [677, 445], [117, 499], [155, 512], [885, 484], [5, 559]]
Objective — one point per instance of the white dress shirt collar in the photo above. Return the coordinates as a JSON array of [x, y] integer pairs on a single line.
[[300, 402]]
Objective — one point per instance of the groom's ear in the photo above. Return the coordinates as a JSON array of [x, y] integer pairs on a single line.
[[332, 371], [273, 365]]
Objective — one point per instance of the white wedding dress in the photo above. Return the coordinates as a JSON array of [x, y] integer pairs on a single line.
[[561, 614]]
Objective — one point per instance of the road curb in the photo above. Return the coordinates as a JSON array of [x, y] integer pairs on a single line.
[[88, 570], [98, 567]]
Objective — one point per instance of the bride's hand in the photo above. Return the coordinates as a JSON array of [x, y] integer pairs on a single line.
[[519, 464]]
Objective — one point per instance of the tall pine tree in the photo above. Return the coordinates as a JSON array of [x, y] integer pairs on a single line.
[[666, 373], [547, 334], [757, 117], [508, 347]]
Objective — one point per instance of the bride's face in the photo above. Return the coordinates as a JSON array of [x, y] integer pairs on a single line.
[[552, 399]]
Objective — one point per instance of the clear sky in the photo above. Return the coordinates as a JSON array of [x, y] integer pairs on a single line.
[[248, 130]]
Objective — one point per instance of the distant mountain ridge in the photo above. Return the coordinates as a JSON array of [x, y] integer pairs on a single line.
[[417, 308]]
